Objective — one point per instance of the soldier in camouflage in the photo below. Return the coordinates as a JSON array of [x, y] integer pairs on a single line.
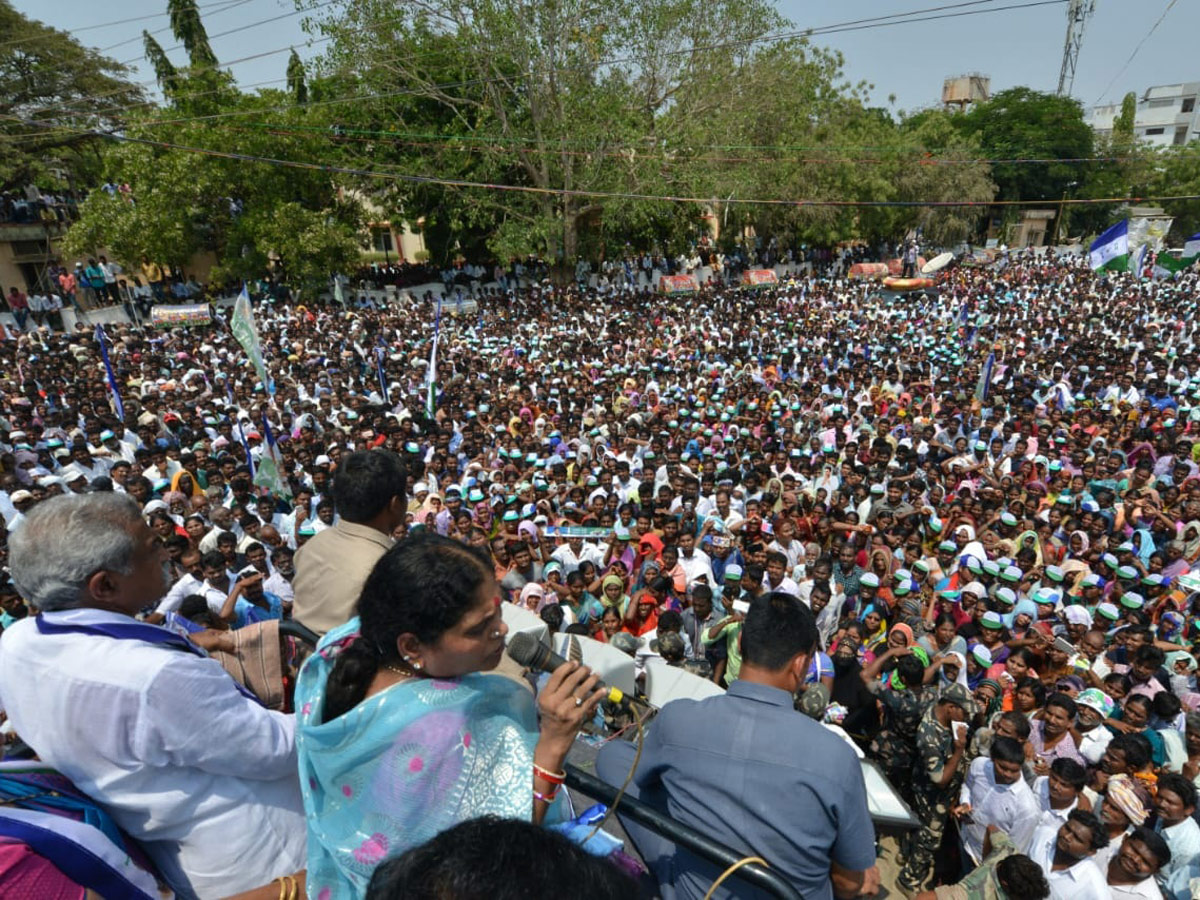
[[904, 699], [936, 779]]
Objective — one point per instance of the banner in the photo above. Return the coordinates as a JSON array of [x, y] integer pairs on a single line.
[[242, 326], [677, 284], [578, 531], [180, 316], [868, 271], [759, 278]]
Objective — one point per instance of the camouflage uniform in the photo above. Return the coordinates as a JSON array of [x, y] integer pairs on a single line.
[[931, 803], [896, 742]]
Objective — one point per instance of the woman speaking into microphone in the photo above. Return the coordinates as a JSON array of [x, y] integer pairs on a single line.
[[401, 730]]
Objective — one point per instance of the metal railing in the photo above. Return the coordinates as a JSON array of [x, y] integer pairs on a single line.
[[682, 835]]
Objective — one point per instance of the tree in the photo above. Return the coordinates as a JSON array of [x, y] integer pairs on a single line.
[[952, 173], [189, 30], [164, 70], [295, 79], [1175, 171], [559, 97], [248, 215], [53, 93], [1123, 124], [1022, 124]]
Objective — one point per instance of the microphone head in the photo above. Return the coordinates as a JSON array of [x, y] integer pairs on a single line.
[[527, 650]]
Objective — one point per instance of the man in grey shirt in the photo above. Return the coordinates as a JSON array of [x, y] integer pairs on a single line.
[[754, 774]]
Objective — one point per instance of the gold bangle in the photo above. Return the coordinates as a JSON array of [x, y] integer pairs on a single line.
[[293, 890], [282, 888]]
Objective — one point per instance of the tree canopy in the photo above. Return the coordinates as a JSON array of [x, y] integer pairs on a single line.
[[1022, 124], [53, 92], [559, 128]]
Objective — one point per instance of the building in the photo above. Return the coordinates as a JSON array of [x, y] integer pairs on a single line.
[[1166, 115], [963, 90], [26, 250]]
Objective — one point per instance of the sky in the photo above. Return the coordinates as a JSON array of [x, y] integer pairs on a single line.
[[910, 61]]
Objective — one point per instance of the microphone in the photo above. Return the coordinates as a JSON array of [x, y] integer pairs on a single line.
[[531, 653]]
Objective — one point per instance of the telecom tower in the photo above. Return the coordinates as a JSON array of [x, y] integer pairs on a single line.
[[1077, 15]]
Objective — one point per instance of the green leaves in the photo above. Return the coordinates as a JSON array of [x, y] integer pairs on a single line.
[[249, 216], [52, 92]]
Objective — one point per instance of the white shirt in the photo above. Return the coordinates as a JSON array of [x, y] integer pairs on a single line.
[[214, 596], [1184, 841], [208, 543], [1094, 743], [1146, 889], [1010, 807], [697, 567], [204, 778], [1082, 881], [282, 588], [186, 586], [1050, 819], [566, 556], [786, 586], [794, 552]]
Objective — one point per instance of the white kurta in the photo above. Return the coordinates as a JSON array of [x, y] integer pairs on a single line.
[[203, 777]]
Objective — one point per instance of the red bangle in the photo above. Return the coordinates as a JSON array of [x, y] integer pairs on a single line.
[[555, 778], [545, 798]]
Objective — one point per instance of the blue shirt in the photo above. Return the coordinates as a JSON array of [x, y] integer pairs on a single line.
[[747, 769], [247, 613]]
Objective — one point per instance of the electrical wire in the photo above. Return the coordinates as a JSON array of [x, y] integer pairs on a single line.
[[917, 155], [231, 4], [150, 82], [1153, 28], [637, 758], [618, 195], [139, 19], [744, 861], [853, 25], [240, 28]]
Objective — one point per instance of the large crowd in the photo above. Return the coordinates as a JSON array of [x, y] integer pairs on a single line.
[[988, 496]]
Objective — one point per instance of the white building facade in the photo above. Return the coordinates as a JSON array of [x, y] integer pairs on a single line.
[[1167, 115]]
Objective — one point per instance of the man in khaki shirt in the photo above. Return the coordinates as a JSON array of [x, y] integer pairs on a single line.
[[370, 498]]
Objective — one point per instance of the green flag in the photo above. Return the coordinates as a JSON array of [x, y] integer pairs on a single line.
[[242, 325]]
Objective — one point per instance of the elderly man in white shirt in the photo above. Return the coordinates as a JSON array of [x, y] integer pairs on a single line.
[[184, 759]]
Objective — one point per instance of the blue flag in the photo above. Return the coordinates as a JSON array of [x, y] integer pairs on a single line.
[[118, 406], [270, 466], [985, 378], [241, 430], [383, 383]]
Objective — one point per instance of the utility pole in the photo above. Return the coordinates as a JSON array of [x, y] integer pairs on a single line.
[[1077, 15]]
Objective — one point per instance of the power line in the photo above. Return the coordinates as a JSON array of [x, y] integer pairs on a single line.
[[230, 4], [240, 28], [919, 155], [782, 36], [854, 25], [616, 195], [1153, 28], [73, 31]]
